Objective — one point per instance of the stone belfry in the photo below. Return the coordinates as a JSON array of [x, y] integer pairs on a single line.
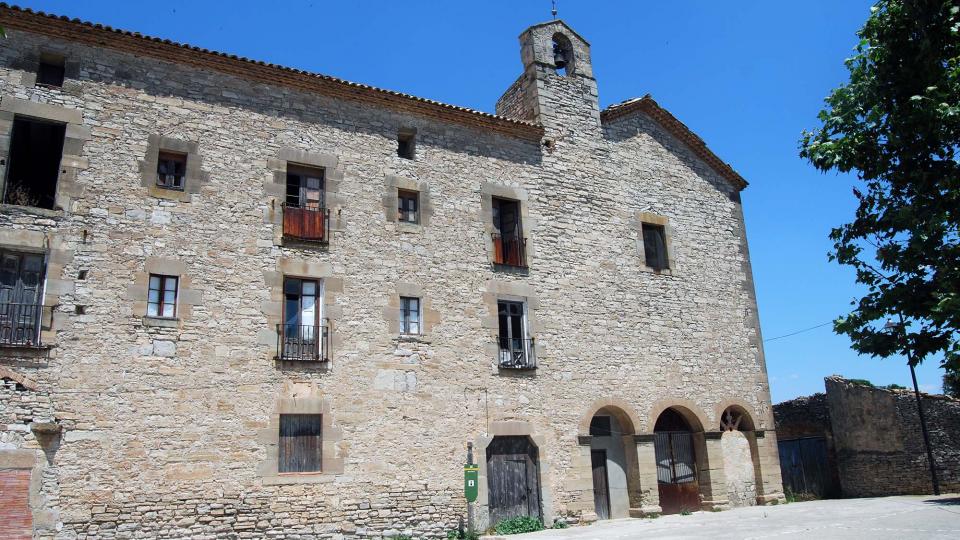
[[557, 89]]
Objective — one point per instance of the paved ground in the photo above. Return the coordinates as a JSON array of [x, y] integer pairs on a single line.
[[881, 518]]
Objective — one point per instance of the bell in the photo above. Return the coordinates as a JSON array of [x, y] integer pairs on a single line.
[[559, 58]]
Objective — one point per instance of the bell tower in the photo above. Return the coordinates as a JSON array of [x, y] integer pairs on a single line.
[[557, 89]]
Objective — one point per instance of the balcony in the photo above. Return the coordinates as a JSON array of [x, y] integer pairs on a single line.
[[303, 343], [509, 250], [516, 353], [306, 224], [20, 325]]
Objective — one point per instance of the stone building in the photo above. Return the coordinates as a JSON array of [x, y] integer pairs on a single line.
[[857, 440], [243, 300]]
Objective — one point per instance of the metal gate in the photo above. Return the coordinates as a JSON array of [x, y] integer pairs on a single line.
[[676, 471], [803, 466]]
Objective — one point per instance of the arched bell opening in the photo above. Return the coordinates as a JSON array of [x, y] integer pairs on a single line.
[[741, 456], [678, 443], [563, 59]]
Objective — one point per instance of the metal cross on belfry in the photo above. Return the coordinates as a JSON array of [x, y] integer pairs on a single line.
[[553, 9]]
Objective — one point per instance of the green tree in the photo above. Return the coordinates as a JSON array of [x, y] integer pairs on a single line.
[[896, 124]]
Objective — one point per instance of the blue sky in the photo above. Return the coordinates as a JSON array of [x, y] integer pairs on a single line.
[[746, 76]]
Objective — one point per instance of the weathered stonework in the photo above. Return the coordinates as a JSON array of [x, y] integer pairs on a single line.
[[170, 430]]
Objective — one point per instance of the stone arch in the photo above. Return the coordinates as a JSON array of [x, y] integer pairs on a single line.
[[738, 405], [741, 453], [511, 428], [617, 408], [691, 412]]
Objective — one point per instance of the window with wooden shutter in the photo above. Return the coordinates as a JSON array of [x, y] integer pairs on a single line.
[[300, 443]]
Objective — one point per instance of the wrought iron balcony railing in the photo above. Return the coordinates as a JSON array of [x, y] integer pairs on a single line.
[[509, 250], [303, 343], [20, 324], [306, 223], [516, 353]]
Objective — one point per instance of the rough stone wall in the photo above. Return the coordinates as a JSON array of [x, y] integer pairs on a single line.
[[807, 416], [165, 426], [879, 442]]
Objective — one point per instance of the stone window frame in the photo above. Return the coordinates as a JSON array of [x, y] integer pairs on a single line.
[[509, 428], [194, 178], [489, 191], [272, 308], [30, 64], [56, 257], [275, 188], [649, 218], [429, 317], [392, 185], [71, 162], [187, 297], [301, 398], [494, 291]]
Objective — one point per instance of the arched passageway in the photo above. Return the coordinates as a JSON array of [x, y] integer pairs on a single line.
[[613, 463], [676, 454]]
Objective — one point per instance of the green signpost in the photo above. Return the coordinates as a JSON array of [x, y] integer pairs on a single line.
[[471, 481]]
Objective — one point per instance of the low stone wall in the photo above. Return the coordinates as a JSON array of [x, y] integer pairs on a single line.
[[879, 443]]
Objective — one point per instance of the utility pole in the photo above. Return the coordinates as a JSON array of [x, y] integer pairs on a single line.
[[923, 421]]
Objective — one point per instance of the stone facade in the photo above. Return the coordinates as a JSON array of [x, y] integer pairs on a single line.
[[168, 427], [873, 438]]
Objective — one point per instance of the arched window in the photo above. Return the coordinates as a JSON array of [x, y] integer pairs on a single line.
[[563, 58]]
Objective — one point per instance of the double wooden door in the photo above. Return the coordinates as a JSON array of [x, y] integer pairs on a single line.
[[513, 478]]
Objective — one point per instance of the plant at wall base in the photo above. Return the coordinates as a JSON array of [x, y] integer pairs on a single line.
[[559, 524], [457, 534], [896, 125], [685, 512], [517, 525]]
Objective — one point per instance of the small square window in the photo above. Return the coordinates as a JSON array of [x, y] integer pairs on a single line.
[[162, 296], [655, 246], [406, 144], [171, 170], [51, 71], [409, 315], [408, 206], [301, 439]]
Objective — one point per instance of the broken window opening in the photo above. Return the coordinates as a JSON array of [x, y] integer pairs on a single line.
[[171, 170], [36, 148], [51, 70], [407, 144], [655, 246]]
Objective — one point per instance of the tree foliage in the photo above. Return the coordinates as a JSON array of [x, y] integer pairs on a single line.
[[896, 124]]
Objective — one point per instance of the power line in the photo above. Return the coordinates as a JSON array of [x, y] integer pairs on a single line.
[[798, 331]]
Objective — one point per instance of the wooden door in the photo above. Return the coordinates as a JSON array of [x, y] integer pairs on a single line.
[[513, 479], [601, 489]]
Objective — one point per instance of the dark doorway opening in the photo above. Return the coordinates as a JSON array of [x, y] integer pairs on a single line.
[[513, 479], [34, 163], [676, 464], [601, 489]]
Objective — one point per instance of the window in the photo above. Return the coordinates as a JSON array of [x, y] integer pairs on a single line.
[[409, 315], [21, 290], [171, 170], [513, 342], [655, 246], [300, 443], [162, 297], [508, 242], [305, 187], [35, 151], [51, 70], [302, 334], [407, 143], [408, 206]]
